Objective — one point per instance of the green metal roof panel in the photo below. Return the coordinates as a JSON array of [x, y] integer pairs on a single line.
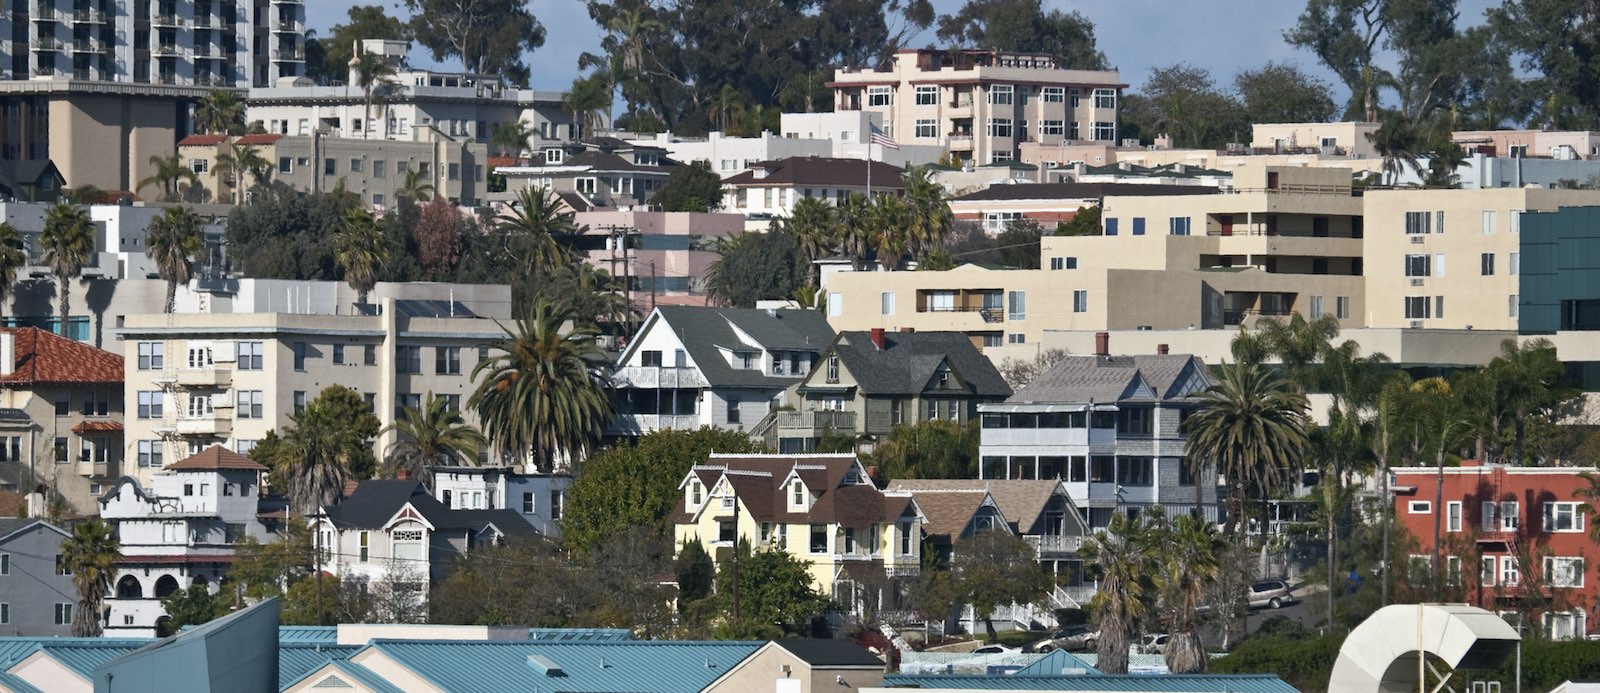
[[365, 677], [308, 634], [653, 666], [16, 685], [295, 660], [1168, 683], [580, 634], [1055, 663], [84, 657]]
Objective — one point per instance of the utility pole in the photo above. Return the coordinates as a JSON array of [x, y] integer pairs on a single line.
[[735, 555], [317, 576]]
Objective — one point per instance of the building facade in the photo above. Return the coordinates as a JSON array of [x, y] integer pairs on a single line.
[[770, 189], [667, 255], [540, 499], [595, 173], [982, 104], [61, 416], [37, 598]]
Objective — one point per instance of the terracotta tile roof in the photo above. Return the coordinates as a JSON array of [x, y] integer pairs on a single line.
[[44, 358], [98, 427], [217, 457], [202, 140], [257, 139]]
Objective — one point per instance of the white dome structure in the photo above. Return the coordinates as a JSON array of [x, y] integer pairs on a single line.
[[1381, 654]]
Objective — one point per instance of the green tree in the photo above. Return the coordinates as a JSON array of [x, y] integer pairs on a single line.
[[812, 221], [441, 238], [693, 187], [1192, 109], [221, 112], [285, 235], [853, 215], [1124, 560], [191, 607], [596, 296], [1283, 93], [510, 138], [359, 249], [543, 392], [173, 243], [586, 99], [169, 171], [536, 226], [487, 36], [754, 266], [328, 442], [889, 226], [372, 72], [1250, 427], [1188, 563], [929, 450], [633, 485], [12, 258], [1019, 244], [265, 570], [433, 435], [928, 217], [362, 22], [68, 244], [1398, 141], [1024, 25], [1557, 43], [90, 556], [415, 187], [237, 162], [994, 568], [696, 574], [1085, 222], [775, 595]]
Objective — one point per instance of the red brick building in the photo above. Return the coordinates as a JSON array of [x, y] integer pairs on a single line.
[[1514, 538]]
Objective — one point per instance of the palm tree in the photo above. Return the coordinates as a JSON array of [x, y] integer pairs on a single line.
[[1391, 424], [416, 188], [855, 229], [888, 222], [1250, 426], [316, 457], [67, 242], [1124, 558], [543, 392], [929, 220], [1444, 424], [537, 223], [813, 221], [173, 243], [12, 258], [168, 171], [237, 162], [1397, 141], [220, 112], [372, 72], [1189, 563], [1298, 344], [509, 139], [430, 436], [359, 249], [585, 99], [90, 555]]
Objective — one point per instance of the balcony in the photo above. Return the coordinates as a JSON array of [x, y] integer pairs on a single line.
[[815, 422], [289, 55], [658, 377], [168, 20], [168, 50], [47, 44], [288, 26], [639, 424], [207, 426], [88, 17], [88, 46], [44, 12], [959, 141], [1054, 545], [1248, 317], [960, 108], [203, 51], [209, 21]]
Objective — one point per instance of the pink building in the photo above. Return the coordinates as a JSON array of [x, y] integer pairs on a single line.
[[667, 255]]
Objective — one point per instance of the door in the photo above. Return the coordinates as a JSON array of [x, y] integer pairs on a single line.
[[1226, 221]]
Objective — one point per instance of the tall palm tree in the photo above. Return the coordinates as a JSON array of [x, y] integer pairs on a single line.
[[536, 225], [1444, 424], [317, 452], [1124, 558], [220, 112], [855, 229], [91, 556], [360, 250], [1250, 426], [888, 220], [1391, 426], [585, 99], [511, 138], [1298, 344], [433, 435], [1397, 140], [415, 187], [543, 392], [12, 258], [169, 170], [173, 243], [237, 162], [68, 242], [372, 72], [929, 219], [815, 224], [1189, 563]]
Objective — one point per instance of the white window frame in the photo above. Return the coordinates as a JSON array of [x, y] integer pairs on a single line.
[[1572, 565], [1105, 98], [926, 127], [880, 96], [1001, 95], [1454, 515], [1053, 127], [927, 95], [1510, 575], [886, 302], [1420, 507], [1553, 511], [1053, 94], [999, 125]]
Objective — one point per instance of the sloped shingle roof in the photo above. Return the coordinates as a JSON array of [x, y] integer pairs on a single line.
[[827, 652], [703, 330], [757, 480], [908, 361], [202, 140], [947, 512], [821, 172], [1082, 379], [376, 501], [1021, 501], [44, 358], [1079, 191]]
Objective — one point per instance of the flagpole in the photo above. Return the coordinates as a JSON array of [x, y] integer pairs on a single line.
[[869, 165]]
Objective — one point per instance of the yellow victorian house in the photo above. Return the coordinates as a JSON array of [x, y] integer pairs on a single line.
[[821, 508]]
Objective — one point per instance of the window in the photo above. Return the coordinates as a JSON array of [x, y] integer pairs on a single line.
[[1102, 469], [1001, 94], [364, 542], [404, 401], [1486, 572], [999, 127], [1486, 264], [832, 374], [370, 355], [447, 360], [61, 450], [5, 564], [835, 304], [1417, 307], [1341, 308], [1105, 131], [1418, 223], [1452, 516], [1134, 471], [1111, 226], [528, 503], [1563, 571], [1136, 421], [1563, 517], [1509, 575], [733, 410], [1105, 98], [299, 356], [1178, 226], [927, 95], [1438, 307], [1053, 94], [149, 406], [1017, 305], [355, 165], [249, 355], [63, 613], [1438, 221], [1316, 307], [650, 359], [1052, 127], [880, 96], [1063, 263], [149, 452], [585, 185], [1511, 306], [558, 502], [1514, 263], [454, 172], [151, 356], [199, 406], [408, 359], [1077, 95], [1452, 571], [1516, 221], [819, 539], [5, 613], [329, 167], [1421, 507], [926, 127], [380, 169], [299, 401], [285, 164], [886, 302], [1419, 265], [1488, 221], [338, 354], [1017, 338], [249, 404], [1080, 301], [1138, 226]]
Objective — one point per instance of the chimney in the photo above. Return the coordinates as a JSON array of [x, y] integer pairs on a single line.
[[1162, 349], [1102, 344], [8, 353], [877, 337]]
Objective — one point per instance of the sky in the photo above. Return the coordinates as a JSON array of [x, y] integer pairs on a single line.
[[1224, 36]]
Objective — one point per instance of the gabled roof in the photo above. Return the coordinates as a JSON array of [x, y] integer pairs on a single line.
[[907, 362], [13, 525], [257, 140], [1056, 663], [296, 660], [80, 655], [376, 501], [1078, 191], [44, 358], [582, 667], [705, 332], [202, 140], [15, 173], [758, 480], [1021, 501], [214, 458], [1105, 379], [821, 172], [829, 652], [948, 512], [1167, 683]]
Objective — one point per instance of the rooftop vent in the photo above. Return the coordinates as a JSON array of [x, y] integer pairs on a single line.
[[544, 665]]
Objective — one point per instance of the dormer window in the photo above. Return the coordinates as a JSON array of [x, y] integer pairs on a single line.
[[696, 494], [554, 155], [797, 494], [746, 360], [833, 369]]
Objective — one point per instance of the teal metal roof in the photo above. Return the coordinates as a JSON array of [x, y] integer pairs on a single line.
[[364, 676], [14, 649], [1167, 683], [650, 666], [580, 634], [1055, 663], [16, 685], [295, 660], [308, 634], [84, 655]]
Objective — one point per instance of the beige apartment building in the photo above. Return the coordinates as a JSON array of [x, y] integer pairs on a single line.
[[1450, 259], [983, 105], [196, 379], [1285, 239], [370, 169], [1328, 139]]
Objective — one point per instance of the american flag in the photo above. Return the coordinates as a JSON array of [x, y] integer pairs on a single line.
[[882, 139]]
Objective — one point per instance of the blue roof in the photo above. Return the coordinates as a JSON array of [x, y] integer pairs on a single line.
[[362, 675], [1166, 683], [295, 660], [15, 649], [585, 634], [16, 685], [1055, 663], [84, 655], [647, 666], [308, 634]]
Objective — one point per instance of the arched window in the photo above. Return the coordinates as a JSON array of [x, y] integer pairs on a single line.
[[166, 586], [128, 588]]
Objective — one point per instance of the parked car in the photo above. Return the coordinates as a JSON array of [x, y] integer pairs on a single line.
[[1271, 594], [1071, 639], [997, 650], [1153, 643]]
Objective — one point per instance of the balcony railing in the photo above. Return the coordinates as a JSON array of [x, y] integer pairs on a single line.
[[47, 44], [168, 20], [89, 16], [1234, 318], [1054, 544], [210, 426], [837, 421], [87, 46], [289, 55]]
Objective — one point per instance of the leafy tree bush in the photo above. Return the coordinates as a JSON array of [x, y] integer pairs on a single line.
[[286, 235], [757, 266], [192, 607], [691, 188], [1304, 664], [1019, 244], [929, 450], [776, 598]]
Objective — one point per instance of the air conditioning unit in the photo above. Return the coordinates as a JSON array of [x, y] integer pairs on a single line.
[[1416, 324], [1418, 238], [1416, 281]]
